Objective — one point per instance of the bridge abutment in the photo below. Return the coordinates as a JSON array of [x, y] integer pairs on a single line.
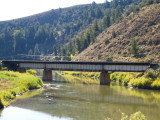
[[104, 78], [21, 70], [47, 75]]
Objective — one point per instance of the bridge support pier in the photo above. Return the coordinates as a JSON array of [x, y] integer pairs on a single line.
[[21, 70], [47, 75], [104, 78]]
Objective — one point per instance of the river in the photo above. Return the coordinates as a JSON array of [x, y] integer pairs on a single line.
[[63, 101]]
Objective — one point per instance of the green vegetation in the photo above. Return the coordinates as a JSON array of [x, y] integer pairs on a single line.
[[135, 116], [14, 83], [84, 74], [80, 77], [106, 41], [129, 39], [32, 72], [63, 31], [3, 68], [148, 80], [109, 59], [148, 2], [134, 47], [113, 34]]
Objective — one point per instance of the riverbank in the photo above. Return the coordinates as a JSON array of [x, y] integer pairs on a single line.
[[15, 83], [80, 77], [147, 80]]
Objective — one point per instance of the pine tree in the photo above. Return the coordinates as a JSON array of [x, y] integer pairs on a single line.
[[95, 28], [117, 12], [36, 50], [107, 4], [99, 13], [134, 47], [106, 21]]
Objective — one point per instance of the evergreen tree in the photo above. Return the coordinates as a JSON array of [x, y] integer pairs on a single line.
[[36, 50], [92, 38], [106, 22], [113, 16], [61, 27], [95, 28], [134, 47], [99, 13], [114, 3], [118, 13], [107, 4]]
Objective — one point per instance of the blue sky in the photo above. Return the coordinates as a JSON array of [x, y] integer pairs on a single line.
[[11, 9]]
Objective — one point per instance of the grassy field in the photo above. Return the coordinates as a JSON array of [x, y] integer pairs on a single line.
[[15, 83]]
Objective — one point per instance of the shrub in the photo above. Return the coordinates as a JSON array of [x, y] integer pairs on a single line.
[[150, 79], [32, 72], [114, 77], [151, 74], [156, 84], [127, 78], [109, 59], [121, 77], [4, 68], [113, 34], [106, 41], [140, 82], [135, 116]]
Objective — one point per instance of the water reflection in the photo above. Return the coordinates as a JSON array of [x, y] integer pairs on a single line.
[[15, 113], [86, 102], [90, 102]]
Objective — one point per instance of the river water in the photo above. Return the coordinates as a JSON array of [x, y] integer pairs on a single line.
[[63, 101]]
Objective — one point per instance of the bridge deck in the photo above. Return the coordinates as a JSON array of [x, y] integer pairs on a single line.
[[70, 62], [81, 66]]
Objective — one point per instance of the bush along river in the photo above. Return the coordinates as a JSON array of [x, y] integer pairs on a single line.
[[64, 101]]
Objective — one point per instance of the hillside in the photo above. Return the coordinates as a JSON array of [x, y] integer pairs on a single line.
[[49, 32], [115, 41], [44, 33], [66, 32]]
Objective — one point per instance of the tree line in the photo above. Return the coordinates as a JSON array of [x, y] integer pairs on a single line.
[[63, 31]]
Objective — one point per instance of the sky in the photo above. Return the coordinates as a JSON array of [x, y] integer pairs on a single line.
[[12, 9]]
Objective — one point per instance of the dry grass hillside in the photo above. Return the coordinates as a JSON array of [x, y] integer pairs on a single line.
[[115, 42]]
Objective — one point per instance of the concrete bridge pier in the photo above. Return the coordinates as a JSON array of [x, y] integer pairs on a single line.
[[21, 70], [47, 75], [104, 78]]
